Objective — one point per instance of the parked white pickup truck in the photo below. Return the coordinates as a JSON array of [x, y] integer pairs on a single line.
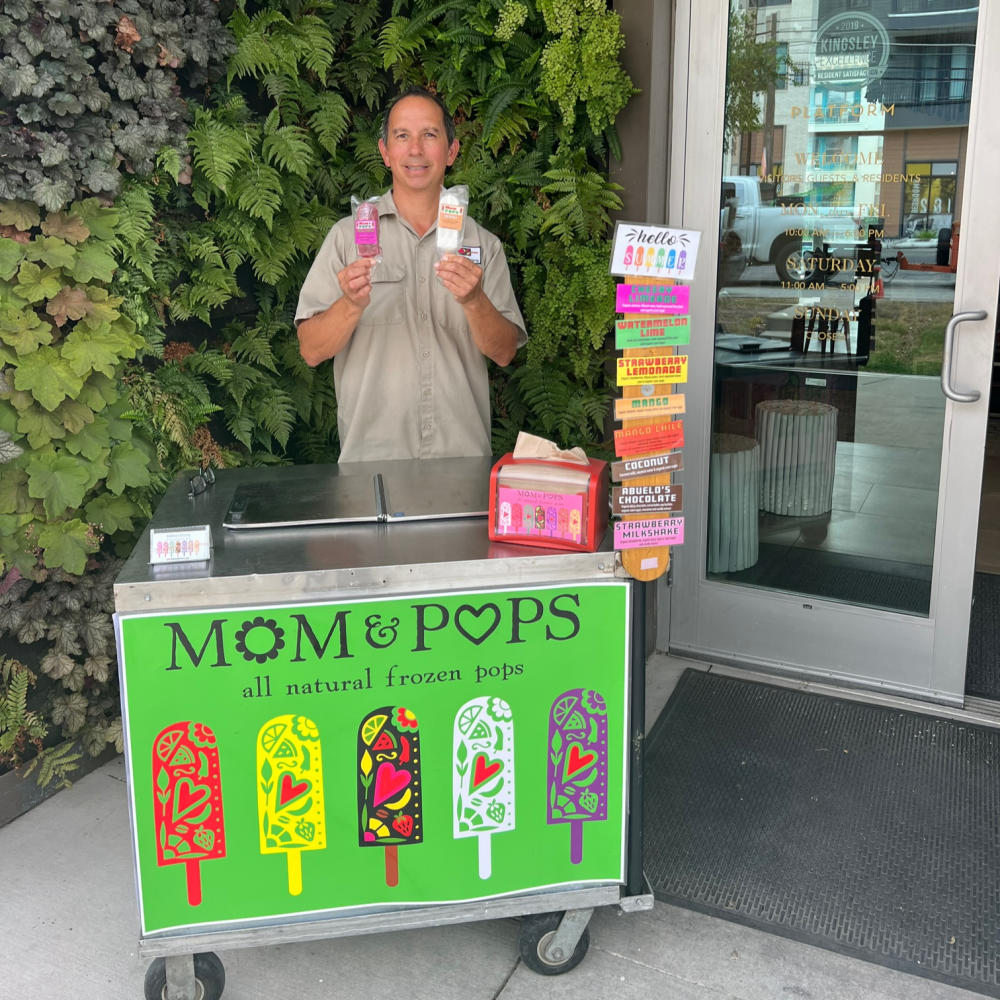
[[786, 231]]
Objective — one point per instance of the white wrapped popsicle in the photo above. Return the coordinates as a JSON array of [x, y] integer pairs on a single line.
[[483, 783]]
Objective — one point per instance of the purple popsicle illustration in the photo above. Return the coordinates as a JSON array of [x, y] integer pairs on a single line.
[[577, 782]]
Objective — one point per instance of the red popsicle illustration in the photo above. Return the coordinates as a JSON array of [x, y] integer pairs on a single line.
[[578, 763], [483, 780], [290, 791], [187, 800], [389, 793]]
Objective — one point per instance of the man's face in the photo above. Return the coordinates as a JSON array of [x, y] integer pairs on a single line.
[[417, 150]]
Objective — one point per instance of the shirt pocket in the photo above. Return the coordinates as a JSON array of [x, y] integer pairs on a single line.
[[388, 302]]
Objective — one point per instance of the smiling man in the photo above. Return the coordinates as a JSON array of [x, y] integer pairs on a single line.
[[409, 336]]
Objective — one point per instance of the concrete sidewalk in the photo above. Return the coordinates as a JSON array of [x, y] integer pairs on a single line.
[[69, 928]]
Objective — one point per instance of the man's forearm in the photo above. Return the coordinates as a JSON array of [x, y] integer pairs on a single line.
[[494, 334], [327, 333]]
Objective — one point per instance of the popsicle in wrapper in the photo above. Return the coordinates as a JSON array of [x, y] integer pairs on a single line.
[[389, 792], [290, 791], [577, 778], [483, 780], [187, 800]]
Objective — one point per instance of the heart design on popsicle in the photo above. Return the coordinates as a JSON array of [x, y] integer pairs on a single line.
[[483, 779], [191, 801], [577, 761], [388, 783], [482, 772], [289, 791]]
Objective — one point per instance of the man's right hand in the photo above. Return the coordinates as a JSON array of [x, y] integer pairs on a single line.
[[356, 281], [324, 335]]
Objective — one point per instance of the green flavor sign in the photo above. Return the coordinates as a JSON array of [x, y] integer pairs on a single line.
[[290, 760]]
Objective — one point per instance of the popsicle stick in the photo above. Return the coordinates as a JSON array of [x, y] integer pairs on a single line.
[[391, 866], [576, 841], [485, 856], [192, 870], [294, 872], [650, 562]]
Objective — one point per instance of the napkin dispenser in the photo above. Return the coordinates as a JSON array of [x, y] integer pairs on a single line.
[[548, 503]]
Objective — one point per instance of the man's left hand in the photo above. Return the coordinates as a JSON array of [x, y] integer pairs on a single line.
[[461, 277]]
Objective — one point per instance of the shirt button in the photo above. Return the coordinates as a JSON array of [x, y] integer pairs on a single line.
[[427, 428], [423, 280], [426, 354], [423, 315]]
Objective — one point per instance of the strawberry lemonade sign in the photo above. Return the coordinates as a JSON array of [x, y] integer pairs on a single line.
[[651, 334], [406, 751]]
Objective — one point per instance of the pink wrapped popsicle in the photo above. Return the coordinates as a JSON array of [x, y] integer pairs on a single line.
[[290, 792], [578, 763], [187, 800], [483, 781], [389, 792]]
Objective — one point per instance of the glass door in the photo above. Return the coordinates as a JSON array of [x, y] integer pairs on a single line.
[[842, 173]]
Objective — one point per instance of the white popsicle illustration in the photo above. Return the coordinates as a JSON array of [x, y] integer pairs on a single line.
[[483, 782]]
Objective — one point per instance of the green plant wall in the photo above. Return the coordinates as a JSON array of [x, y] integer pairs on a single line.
[[171, 167]]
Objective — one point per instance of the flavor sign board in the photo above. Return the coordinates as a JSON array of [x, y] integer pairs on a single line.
[[639, 249], [331, 758]]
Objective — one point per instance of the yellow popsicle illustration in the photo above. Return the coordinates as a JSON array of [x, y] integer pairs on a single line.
[[290, 791]]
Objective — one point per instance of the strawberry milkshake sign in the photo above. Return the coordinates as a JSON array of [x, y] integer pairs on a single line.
[[641, 250]]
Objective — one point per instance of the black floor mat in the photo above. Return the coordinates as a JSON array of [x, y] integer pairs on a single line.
[[982, 674], [862, 829]]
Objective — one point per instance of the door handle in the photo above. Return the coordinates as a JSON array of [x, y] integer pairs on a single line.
[[949, 345]]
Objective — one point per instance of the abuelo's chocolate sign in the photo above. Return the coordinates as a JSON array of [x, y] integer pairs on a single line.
[[657, 498]]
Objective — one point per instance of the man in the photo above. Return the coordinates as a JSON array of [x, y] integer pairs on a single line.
[[409, 337]]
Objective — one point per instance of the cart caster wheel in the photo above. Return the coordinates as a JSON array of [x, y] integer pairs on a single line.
[[536, 933], [209, 978]]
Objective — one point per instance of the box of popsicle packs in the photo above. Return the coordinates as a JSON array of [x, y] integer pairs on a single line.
[[554, 502]]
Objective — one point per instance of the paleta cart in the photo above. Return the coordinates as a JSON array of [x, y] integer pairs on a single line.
[[370, 718]]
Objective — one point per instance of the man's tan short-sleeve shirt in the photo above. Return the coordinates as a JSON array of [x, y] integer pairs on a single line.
[[411, 382]]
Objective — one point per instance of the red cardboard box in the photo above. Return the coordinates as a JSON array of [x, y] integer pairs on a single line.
[[551, 504]]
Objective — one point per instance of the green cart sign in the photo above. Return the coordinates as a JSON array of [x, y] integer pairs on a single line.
[[349, 756]]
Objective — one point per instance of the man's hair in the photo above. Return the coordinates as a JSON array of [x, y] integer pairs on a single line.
[[449, 123]]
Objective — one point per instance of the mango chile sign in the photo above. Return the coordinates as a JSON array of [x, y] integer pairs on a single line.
[[331, 757]]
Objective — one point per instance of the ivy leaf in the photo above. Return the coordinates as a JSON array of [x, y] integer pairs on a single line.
[[73, 415], [22, 215], [92, 441], [39, 427], [98, 391], [111, 513], [94, 260], [24, 330], [70, 303], [71, 228], [48, 377], [34, 284], [53, 251], [11, 255], [101, 222], [103, 308], [101, 350], [59, 480], [14, 496], [127, 466]]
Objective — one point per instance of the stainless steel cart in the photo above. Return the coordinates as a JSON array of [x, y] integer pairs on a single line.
[[371, 718]]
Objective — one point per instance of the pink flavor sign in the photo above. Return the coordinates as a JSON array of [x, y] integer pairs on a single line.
[[652, 300], [649, 532]]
